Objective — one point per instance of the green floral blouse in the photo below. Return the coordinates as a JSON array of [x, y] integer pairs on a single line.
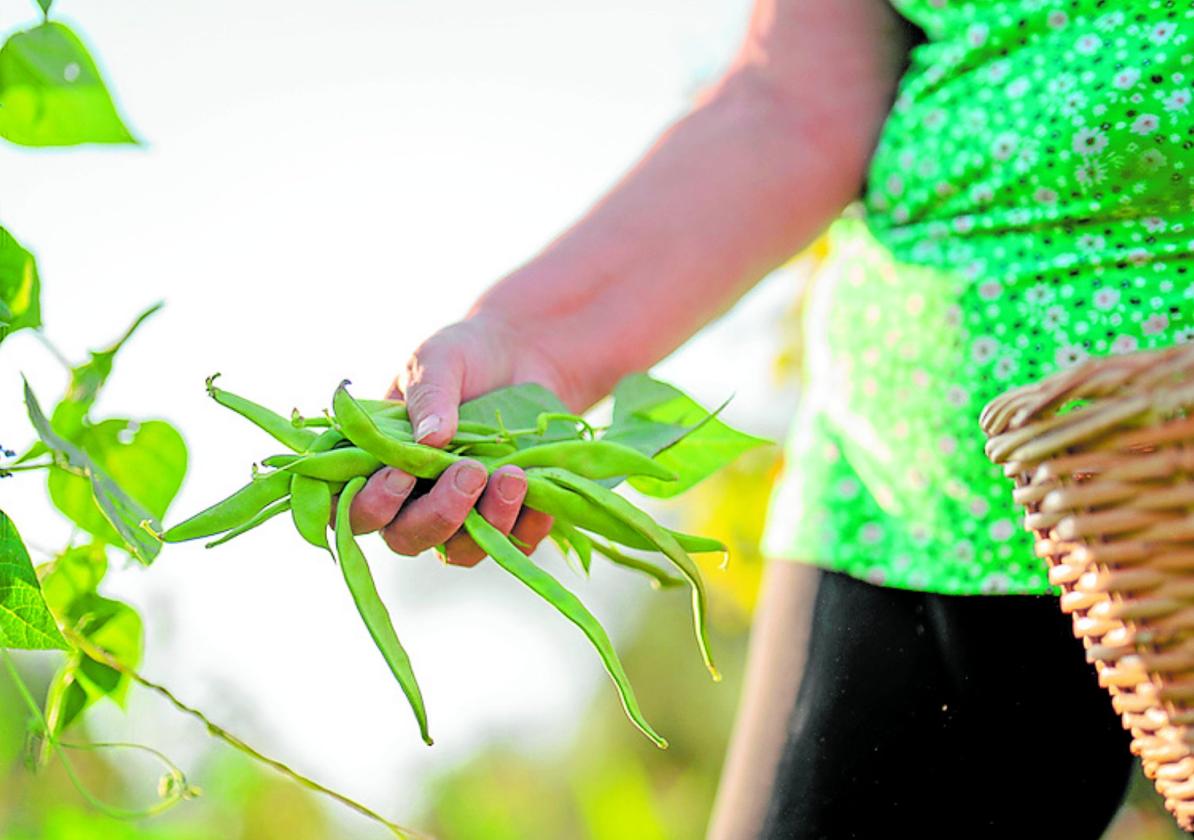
[[1030, 203]]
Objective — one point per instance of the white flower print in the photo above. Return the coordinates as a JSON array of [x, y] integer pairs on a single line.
[[1139, 256], [1070, 355], [957, 396], [1057, 20], [1005, 368], [1153, 224], [1106, 298], [1146, 124], [1162, 32], [1090, 242], [1044, 195], [1088, 44], [1039, 295], [1178, 101], [1125, 344], [1001, 529], [1126, 78], [998, 71], [1073, 103], [895, 185], [982, 193], [1152, 160], [1091, 171], [1155, 324], [1110, 21], [964, 224], [1184, 336], [1055, 316], [990, 290], [1005, 145], [976, 35], [1017, 88], [983, 349], [871, 532], [1089, 141]]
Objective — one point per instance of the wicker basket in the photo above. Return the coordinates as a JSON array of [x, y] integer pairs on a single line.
[[1103, 460]]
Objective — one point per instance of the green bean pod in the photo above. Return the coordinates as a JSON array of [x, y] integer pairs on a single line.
[[335, 465], [278, 461], [326, 441], [494, 543], [413, 458], [594, 459], [659, 578], [311, 509], [374, 613], [622, 509], [577, 541], [546, 497], [275, 425], [269, 513], [233, 511], [394, 409]]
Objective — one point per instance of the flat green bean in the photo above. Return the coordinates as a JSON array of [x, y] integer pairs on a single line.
[[233, 511], [594, 459], [275, 425], [413, 458], [622, 509], [280, 506], [494, 543], [577, 541], [276, 461], [335, 465], [311, 509], [371, 608], [659, 578], [546, 497], [326, 441]]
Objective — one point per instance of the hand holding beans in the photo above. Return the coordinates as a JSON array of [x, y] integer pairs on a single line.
[[515, 467]]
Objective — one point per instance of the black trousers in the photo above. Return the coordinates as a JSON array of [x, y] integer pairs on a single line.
[[923, 715]]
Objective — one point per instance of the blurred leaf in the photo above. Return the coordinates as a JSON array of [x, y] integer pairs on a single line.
[[20, 289], [74, 574], [666, 423], [120, 510], [45, 6], [616, 802], [519, 407], [25, 620], [51, 92]]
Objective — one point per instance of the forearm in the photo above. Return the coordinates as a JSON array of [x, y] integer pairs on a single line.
[[725, 195]]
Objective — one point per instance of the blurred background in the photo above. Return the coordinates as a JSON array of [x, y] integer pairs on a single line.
[[319, 187]]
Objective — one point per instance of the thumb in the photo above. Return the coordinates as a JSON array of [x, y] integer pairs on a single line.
[[432, 383]]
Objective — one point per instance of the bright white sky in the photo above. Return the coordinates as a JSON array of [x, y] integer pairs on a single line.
[[323, 185]]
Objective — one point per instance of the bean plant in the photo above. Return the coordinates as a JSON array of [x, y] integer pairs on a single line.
[[114, 478]]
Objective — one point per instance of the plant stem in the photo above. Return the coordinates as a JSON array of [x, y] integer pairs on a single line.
[[54, 351], [100, 655], [45, 465]]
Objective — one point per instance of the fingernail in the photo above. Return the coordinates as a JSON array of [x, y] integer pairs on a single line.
[[510, 486], [429, 425], [398, 483], [470, 478]]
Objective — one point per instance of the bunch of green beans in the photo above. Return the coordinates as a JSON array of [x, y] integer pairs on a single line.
[[330, 458]]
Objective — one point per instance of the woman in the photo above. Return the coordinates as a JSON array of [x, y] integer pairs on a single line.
[[1025, 173]]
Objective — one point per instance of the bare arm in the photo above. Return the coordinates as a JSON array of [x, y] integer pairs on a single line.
[[752, 174]]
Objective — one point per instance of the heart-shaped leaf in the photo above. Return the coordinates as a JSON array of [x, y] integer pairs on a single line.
[[25, 620], [51, 92], [20, 290]]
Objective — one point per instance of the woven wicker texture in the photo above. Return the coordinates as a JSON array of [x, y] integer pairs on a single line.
[[1103, 460]]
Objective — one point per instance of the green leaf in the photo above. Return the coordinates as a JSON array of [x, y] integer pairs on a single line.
[[45, 6], [20, 288], [88, 379], [25, 620], [666, 423], [81, 681], [52, 94], [122, 512], [519, 407]]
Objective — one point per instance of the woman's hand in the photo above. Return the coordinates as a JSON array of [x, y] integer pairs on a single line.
[[458, 363]]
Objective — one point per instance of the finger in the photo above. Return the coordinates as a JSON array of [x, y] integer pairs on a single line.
[[432, 519], [531, 529], [499, 505], [379, 500], [432, 382]]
